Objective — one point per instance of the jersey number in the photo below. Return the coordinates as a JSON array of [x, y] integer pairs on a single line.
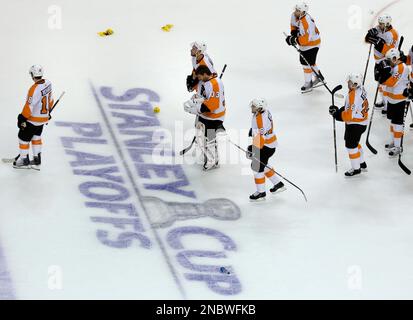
[[45, 104]]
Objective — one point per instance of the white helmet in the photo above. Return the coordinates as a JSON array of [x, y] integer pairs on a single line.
[[302, 7], [36, 71], [259, 103], [393, 54], [355, 78], [385, 19], [201, 46]]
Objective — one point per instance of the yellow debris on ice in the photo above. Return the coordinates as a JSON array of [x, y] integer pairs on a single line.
[[167, 27], [108, 32]]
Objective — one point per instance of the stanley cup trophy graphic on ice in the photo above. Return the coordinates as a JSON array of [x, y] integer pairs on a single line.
[[163, 214]]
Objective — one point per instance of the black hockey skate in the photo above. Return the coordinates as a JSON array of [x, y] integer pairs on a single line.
[[395, 151], [352, 172], [307, 87], [279, 187], [363, 167], [258, 196], [36, 162], [379, 105], [21, 163], [389, 146]]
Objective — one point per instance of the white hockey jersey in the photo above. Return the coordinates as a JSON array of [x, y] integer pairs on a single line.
[[356, 107], [39, 102], [308, 33], [262, 129]]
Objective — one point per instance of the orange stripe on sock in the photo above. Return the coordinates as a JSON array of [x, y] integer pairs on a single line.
[[269, 174], [24, 146], [398, 134], [354, 155], [36, 142], [259, 180]]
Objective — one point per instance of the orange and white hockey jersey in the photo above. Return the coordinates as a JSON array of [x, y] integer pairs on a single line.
[[356, 107], [262, 129], [39, 102], [205, 61], [308, 33], [397, 83], [391, 38], [213, 92]]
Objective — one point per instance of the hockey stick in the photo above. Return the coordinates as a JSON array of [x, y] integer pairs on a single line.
[[269, 168], [401, 164], [55, 104], [57, 101], [318, 74], [182, 152], [339, 87], [367, 64], [11, 160], [374, 151]]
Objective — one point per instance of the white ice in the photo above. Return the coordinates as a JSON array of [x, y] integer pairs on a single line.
[[353, 239]]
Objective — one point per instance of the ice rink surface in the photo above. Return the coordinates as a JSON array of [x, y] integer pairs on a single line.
[[104, 219]]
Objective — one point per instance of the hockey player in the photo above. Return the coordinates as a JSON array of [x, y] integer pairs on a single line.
[[395, 76], [264, 142], [384, 37], [199, 58], [354, 114], [305, 33], [209, 105], [30, 122]]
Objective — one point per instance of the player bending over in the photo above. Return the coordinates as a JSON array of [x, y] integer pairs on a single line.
[[32, 119], [354, 114], [264, 142], [209, 105], [305, 33]]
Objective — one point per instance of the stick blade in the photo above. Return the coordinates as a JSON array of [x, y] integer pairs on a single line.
[[404, 168], [339, 87]]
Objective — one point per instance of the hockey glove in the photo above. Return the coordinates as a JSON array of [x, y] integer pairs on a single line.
[[249, 154], [194, 105], [382, 72], [373, 32], [191, 83], [408, 93], [379, 44], [21, 122], [403, 57], [333, 110], [291, 40]]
